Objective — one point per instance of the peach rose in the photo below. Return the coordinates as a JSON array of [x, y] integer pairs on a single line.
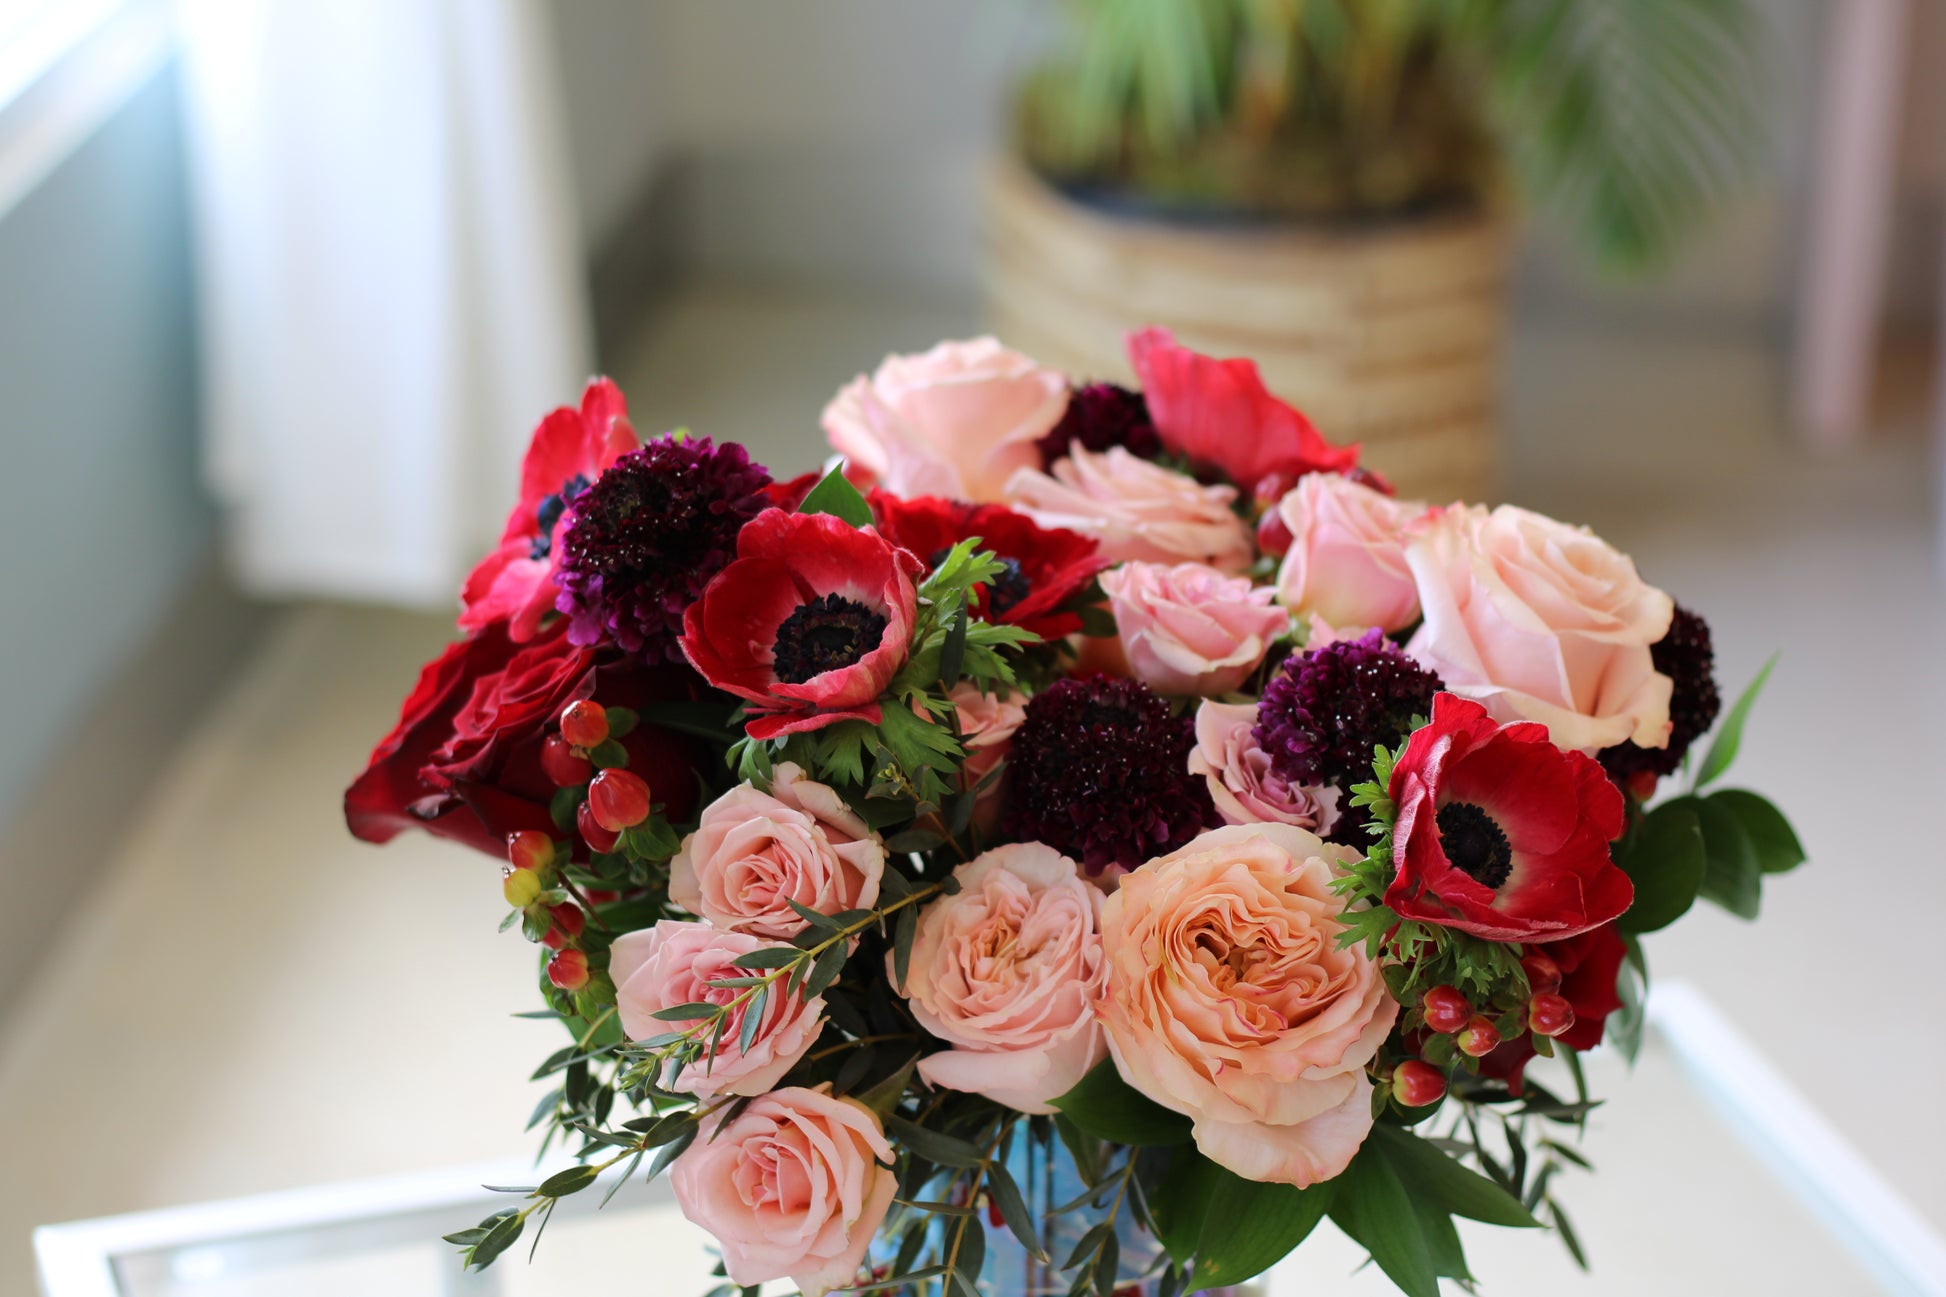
[[674, 963], [1006, 971], [753, 851], [1135, 510], [986, 724], [1539, 621], [955, 421], [1242, 782], [1189, 629], [1229, 1000], [793, 1188], [1346, 563]]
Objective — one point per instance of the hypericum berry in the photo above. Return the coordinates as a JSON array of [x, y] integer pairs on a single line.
[[1274, 534], [568, 924], [530, 849], [596, 896], [1416, 1084], [1446, 1010], [597, 838], [1479, 1037], [520, 886], [568, 970], [1543, 974], [1549, 1015], [618, 800], [560, 763], [584, 724]]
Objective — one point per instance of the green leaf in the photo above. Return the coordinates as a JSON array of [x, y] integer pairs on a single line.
[[608, 754], [825, 971], [884, 1097], [1249, 1227], [1666, 861], [1729, 734], [753, 1014], [1180, 1202], [1441, 1180], [563, 1183], [902, 934], [769, 957], [931, 1144], [1107, 1107], [1013, 1208], [839, 498], [1370, 1204], [952, 654], [1771, 836], [1732, 878], [498, 1239], [686, 1012]]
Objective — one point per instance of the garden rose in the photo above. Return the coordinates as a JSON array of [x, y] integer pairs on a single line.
[[674, 963], [1346, 563], [752, 852], [1229, 1000], [1542, 622], [808, 625], [1500, 833], [1189, 629], [986, 725], [1135, 510], [793, 1187], [954, 421], [1242, 781], [1045, 569], [1006, 971], [514, 584], [1218, 412]]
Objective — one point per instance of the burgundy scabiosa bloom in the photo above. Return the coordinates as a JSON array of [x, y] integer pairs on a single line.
[[640, 543], [1100, 415], [1687, 657], [1100, 772]]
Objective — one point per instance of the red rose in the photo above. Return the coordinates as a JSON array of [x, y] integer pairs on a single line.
[[809, 624], [464, 760], [1218, 412], [1046, 566], [1589, 964], [1500, 833]]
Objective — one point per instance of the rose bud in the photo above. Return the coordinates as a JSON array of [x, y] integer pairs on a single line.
[[568, 970], [569, 922], [1274, 535], [597, 838], [1549, 1015], [1479, 1038], [561, 765], [1446, 1010], [618, 800], [519, 886], [530, 849], [1416, 1084], [1543, 974], [584, 724]]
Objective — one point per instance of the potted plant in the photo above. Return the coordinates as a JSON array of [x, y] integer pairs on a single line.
[[1329, 185]]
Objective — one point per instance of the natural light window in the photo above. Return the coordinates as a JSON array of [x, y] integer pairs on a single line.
[[35, 34]]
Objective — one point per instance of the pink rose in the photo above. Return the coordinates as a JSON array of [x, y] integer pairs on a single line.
[[1006, 971], [752, 852], [1346, 563], [793, 1188], [1135, 510], [986, 724], [956, 421], [1242, 782], [1229, 1000], [1189, 629], [1542, 622], [674, 963]]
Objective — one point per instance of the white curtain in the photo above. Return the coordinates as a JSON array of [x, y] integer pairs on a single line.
[[391, 284]]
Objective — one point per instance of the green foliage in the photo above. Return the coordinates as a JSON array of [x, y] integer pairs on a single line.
[[839, 498], [1729, 731], [1107, 1107], [1665, 857]]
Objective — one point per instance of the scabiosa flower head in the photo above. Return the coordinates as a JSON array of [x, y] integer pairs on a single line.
[[640, 544], [1686, 656], [1098, 416], [1101, 773]]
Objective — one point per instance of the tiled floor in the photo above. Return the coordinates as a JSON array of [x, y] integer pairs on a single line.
[[255, 1001]]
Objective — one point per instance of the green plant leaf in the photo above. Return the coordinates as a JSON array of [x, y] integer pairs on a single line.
[[1665, 860], [1729, 732], [839, 498], [1249, 1227], [1370, 1204], [1771, 836], [1440, 1180], [1107, 1107], [1732, 879], [563, 1183]]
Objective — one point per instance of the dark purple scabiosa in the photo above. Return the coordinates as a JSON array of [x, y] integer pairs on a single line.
[[1323, 714], [640, 543], [1687, 657], [1100, 772], [1101, 415]]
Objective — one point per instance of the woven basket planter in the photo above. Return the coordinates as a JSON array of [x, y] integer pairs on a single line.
[[1388, 335]]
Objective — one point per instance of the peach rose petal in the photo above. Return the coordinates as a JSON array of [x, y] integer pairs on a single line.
[[1135, 510]]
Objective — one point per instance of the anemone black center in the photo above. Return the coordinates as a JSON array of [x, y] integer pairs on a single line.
[[826, 634], [1007, 589], [549, 512], [1475, 843]]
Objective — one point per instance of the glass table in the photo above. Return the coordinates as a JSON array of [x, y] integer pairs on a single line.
[[1713, 1177]]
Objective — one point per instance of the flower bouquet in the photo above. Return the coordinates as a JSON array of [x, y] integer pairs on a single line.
[[1080, 842]]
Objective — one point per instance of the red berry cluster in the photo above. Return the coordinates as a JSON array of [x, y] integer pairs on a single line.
[[617, 799], [1417, 1082], [548, 915]]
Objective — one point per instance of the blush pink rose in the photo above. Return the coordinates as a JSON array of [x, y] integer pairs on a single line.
[[1189, 629], [986, 724], [793, 1187], [956, 421], [752, 852], [1243, 784], [1006, 971], [1230, 1001], [1135, 510], [1539, 621], [1346, 564], [674, 963]]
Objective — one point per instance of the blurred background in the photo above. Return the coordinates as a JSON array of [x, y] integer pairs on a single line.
[[284, 285]]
